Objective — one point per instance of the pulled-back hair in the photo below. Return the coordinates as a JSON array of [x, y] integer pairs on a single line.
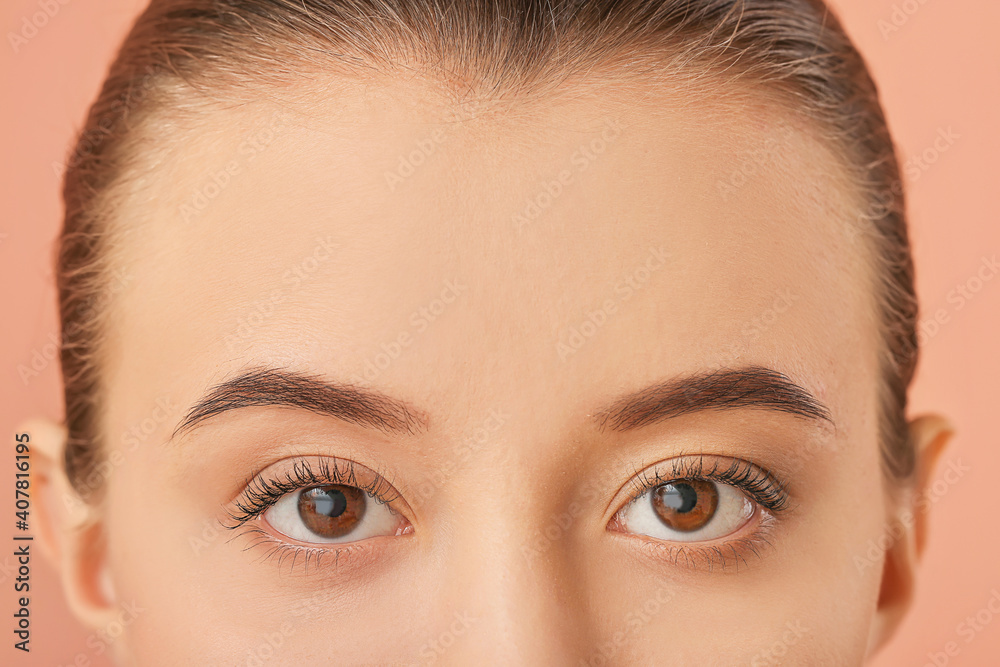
[[180, 50]]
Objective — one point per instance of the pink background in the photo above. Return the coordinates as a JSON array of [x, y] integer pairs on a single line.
[[939, 68]]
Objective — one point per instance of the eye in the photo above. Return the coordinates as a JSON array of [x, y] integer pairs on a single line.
[[312, 502], [687, 510], [332, 513], [692, 506]]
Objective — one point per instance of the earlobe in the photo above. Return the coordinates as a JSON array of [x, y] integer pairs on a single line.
[[907, 528], [65, 527]]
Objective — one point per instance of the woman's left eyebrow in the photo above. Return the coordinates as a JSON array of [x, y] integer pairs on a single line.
[[728, 389], [280, 387]]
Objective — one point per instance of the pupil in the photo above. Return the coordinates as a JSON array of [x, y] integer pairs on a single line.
[[680, 497], [331, 503]]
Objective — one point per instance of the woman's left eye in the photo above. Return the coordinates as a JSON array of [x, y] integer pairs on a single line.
[[687, 510], [333, 513]]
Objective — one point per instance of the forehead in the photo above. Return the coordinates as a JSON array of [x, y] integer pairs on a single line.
[[452, 254]]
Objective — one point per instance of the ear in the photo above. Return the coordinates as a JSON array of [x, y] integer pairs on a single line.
[[929, 434], [66, 528]]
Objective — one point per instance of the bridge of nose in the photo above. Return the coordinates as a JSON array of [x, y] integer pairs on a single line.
[[513, 590]]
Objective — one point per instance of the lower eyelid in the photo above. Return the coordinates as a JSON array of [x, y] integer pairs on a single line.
[[284, 550], [734, 553]]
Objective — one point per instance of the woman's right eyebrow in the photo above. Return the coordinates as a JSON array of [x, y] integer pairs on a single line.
[[281, 387]]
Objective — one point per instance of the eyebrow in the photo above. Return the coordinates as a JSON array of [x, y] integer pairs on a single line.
[[278, 387], [727, 389], [752, 387]]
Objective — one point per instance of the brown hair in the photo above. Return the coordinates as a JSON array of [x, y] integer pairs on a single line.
[[179, 50]]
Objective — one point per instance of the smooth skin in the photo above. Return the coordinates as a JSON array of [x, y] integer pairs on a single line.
[[369, 211]]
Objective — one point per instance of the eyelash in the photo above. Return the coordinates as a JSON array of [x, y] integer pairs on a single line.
[[261, 493], [759, 484]]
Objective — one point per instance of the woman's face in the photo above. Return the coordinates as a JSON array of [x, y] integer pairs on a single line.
[[481, 339]]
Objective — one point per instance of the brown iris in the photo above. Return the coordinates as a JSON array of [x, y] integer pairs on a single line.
[[331, 511], [686, 505]]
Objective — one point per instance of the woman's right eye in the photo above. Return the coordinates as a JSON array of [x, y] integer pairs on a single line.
[[333, 513]]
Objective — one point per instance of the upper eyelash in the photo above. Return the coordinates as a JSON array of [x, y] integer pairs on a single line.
[[261, 493], [757, 482]]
